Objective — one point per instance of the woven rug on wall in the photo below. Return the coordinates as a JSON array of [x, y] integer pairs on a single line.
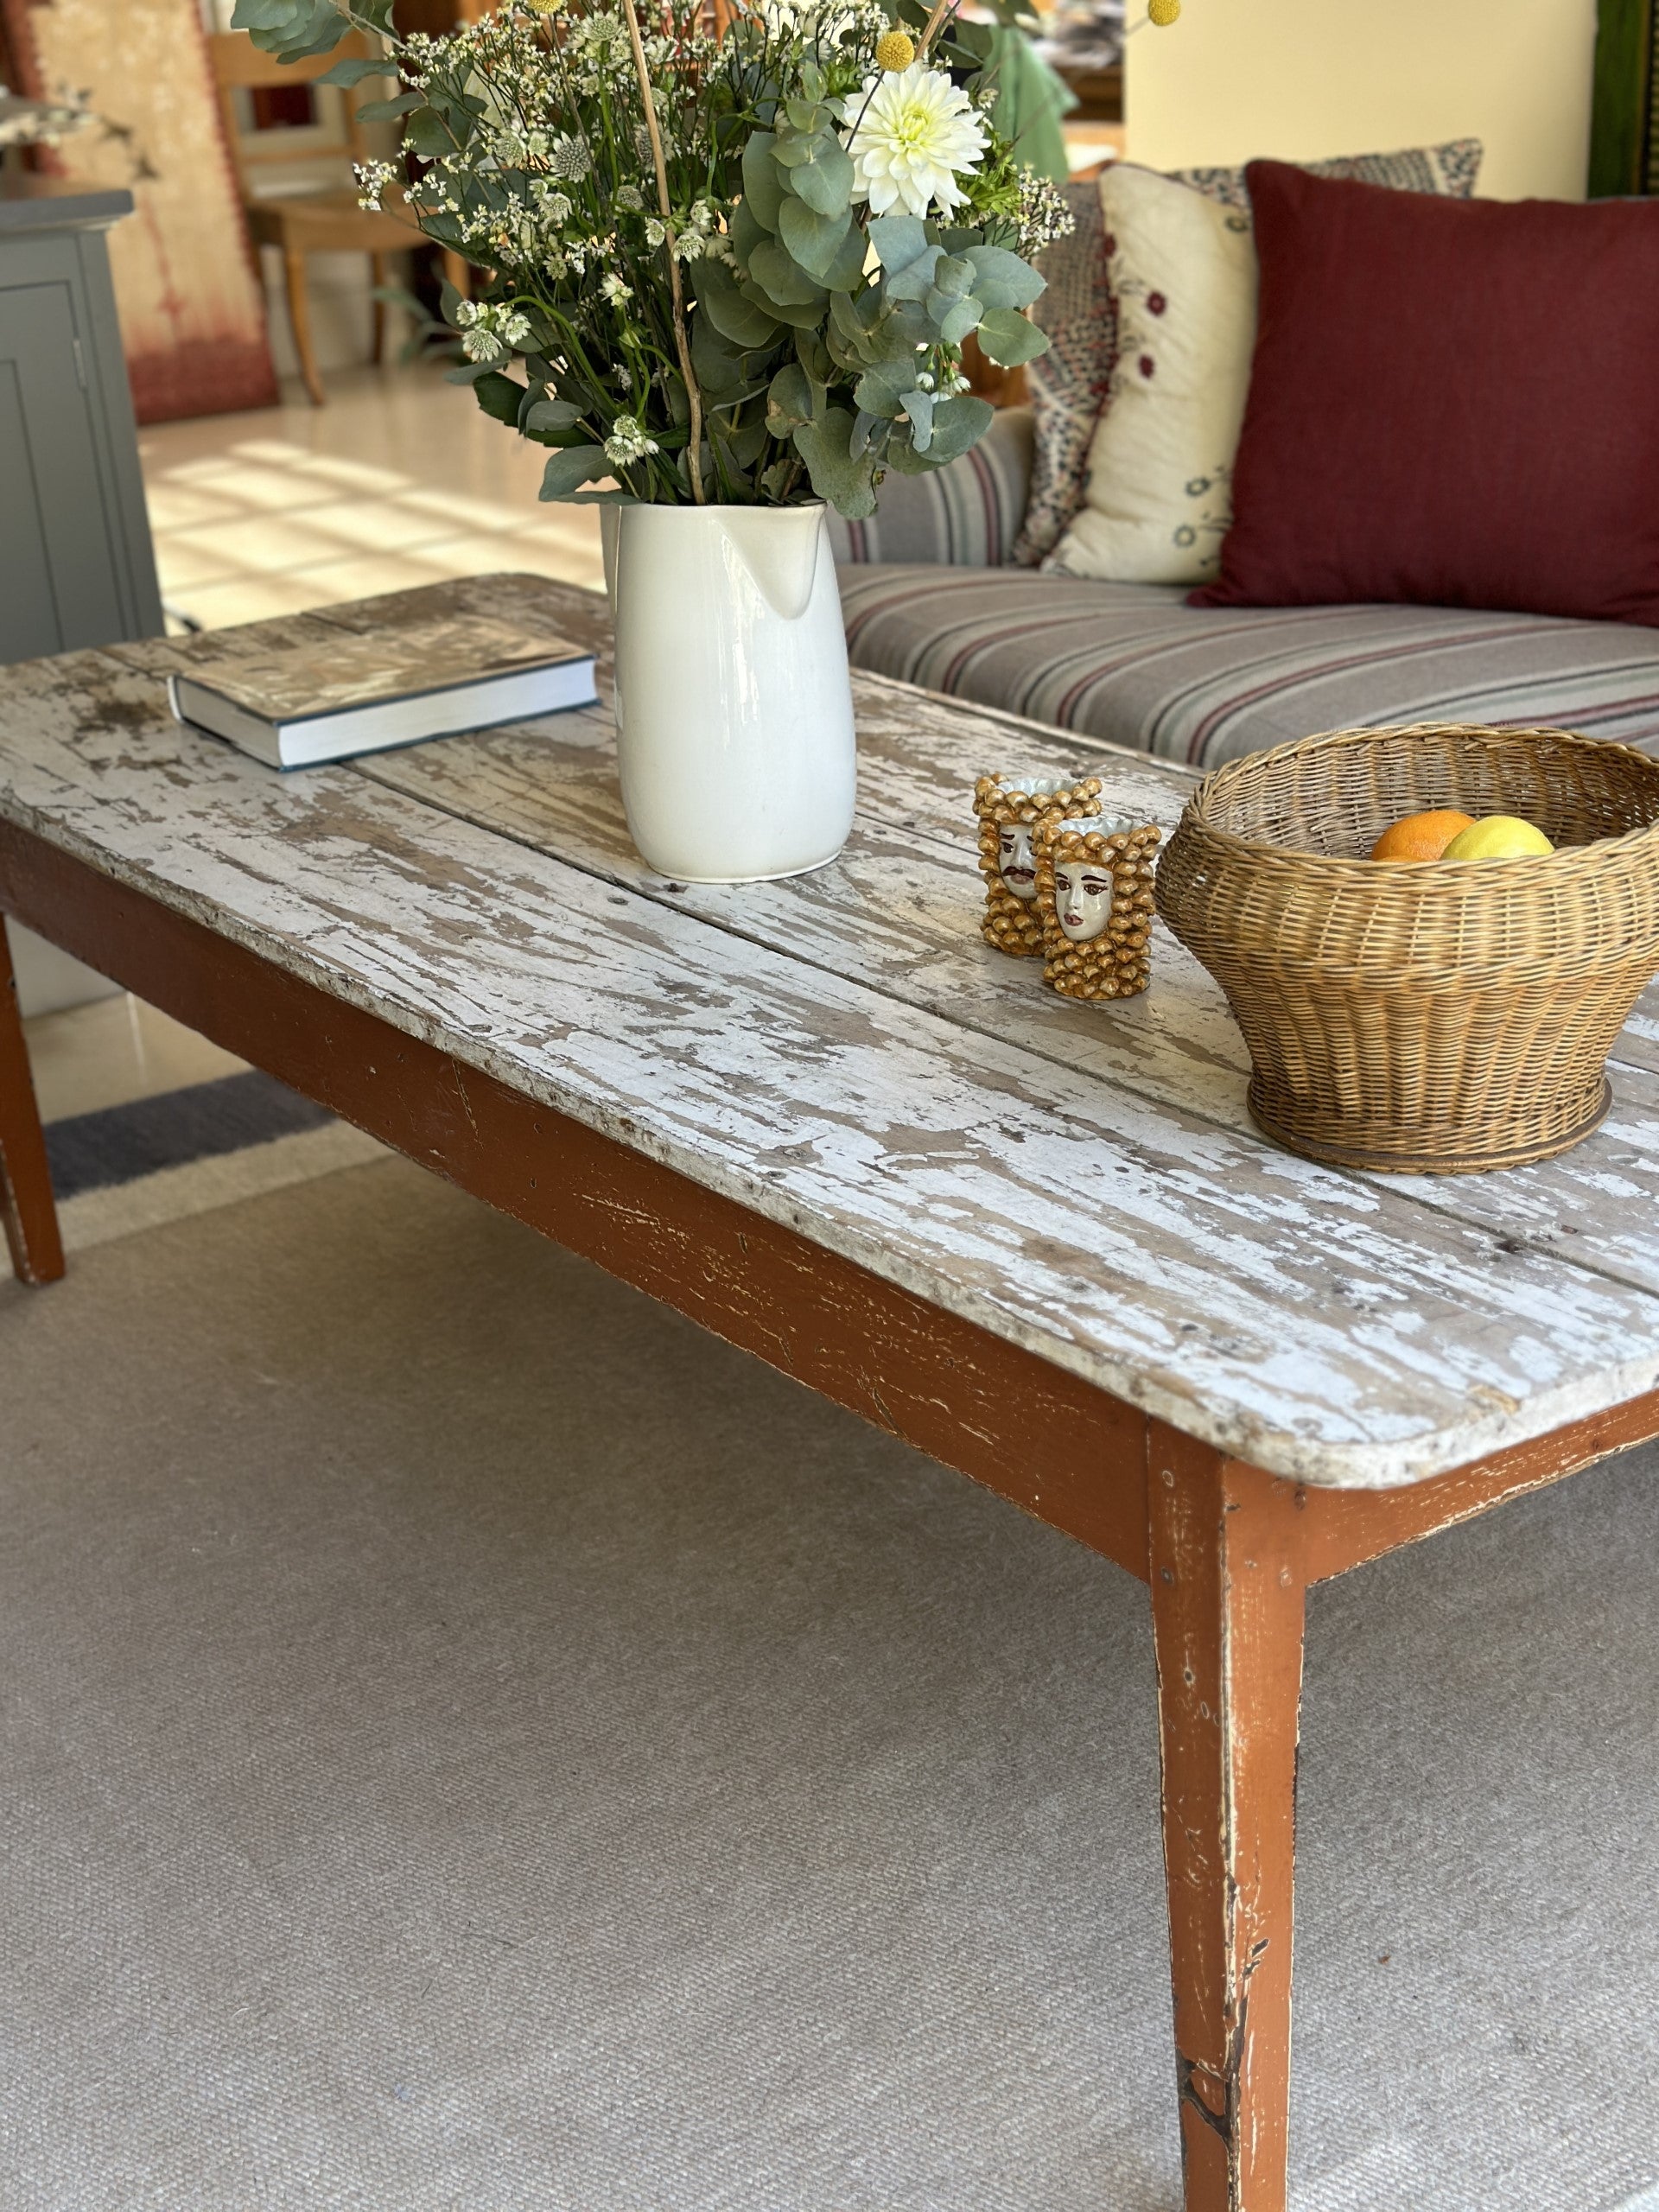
[[473, 1740], [192, 311]]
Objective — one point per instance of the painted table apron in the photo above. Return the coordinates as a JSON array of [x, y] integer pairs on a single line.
[[1037, 1239]]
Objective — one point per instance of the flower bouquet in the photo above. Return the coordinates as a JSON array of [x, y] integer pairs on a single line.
[[735, 258]]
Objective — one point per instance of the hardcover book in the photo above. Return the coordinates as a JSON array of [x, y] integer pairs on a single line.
[[296, 706]]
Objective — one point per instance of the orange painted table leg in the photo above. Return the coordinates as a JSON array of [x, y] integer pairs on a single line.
[[1228, 1603], [27, 1206]]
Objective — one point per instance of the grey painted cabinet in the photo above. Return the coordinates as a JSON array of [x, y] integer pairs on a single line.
[[76, 564]]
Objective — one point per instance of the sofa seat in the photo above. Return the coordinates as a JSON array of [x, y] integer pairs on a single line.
[[1132, 665]]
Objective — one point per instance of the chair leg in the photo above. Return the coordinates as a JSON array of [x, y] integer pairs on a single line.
[[1228, 1602], [459, 270], [299, 315], [27, 1206], [378, 306]]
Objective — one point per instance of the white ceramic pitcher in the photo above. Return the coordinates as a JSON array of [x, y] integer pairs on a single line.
[[734, 710]]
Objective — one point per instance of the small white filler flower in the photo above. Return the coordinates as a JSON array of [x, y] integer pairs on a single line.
[[915, 132], [627, 442]]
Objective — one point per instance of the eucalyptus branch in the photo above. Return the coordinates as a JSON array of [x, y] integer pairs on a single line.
[[665, 205]]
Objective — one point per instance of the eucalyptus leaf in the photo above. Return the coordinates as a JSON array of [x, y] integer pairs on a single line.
[[469, 373], [427, 134], [778, 273], [747, 442], [567, 471], [952, 277], [386, 110], [881, 389], [763, 189], [798, 314], [499, 395], [1002, 279], [915, 280], [355, 69], [903, 457], [956, 326], [789, 400], [815, 240], [958, 422], [823, 175], [845, 479], [898, 240], [846, 271], [718, 368], [1008, 340], [291, 30], [732, 316], [546, 417], [814, 356], [748, 231], [918, 405]]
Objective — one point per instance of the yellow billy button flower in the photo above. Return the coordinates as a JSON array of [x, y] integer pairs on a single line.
[[1163, 12], [894, 50], [543, 7]]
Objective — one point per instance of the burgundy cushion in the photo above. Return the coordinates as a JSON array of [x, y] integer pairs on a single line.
[[1452, 403]]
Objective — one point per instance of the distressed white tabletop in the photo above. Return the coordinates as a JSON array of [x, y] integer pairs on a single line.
[[842, 1053]]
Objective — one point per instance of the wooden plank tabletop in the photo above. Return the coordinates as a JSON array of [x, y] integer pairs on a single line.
[[842, 1053]]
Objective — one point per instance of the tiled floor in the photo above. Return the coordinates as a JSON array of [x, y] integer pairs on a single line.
[[399, 479], [90, 1057]]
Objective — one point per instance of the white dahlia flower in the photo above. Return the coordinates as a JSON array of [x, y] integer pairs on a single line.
[[915, 132]]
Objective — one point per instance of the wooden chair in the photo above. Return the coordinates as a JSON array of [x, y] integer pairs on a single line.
[[327, 220]]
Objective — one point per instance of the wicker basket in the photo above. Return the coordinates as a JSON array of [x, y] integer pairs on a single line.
[[1443, 1017]]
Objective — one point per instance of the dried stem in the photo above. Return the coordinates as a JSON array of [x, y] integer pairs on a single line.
[[943, 10], [677, 295]]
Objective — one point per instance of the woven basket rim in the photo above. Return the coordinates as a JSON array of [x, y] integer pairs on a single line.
[[1445, 874]]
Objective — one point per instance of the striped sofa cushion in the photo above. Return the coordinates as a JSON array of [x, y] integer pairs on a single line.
[[1133, 664], [967, 513]]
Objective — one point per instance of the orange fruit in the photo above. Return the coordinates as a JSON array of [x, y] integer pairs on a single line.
[[1421, 836]]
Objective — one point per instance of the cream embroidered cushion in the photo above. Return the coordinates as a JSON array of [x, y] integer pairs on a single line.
[[1159, 496]]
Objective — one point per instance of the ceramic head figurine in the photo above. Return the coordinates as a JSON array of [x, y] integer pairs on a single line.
[[1094, 894], [1010, 807]]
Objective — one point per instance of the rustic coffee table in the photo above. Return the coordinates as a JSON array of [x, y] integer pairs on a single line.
[[1037, 1239]]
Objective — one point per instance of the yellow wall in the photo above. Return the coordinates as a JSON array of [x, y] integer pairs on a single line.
[[1302, 78]]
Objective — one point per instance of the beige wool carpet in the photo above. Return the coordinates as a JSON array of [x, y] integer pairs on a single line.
[[472, 1744]]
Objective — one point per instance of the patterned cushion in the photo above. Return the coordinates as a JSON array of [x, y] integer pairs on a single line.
[[1069, 384], [1133, 664], [966, 513]]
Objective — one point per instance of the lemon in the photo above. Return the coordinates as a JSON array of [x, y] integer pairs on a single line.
[[1497, 837]]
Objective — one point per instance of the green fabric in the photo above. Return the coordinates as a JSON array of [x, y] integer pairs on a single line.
[[1625, 108], [1030, 101]]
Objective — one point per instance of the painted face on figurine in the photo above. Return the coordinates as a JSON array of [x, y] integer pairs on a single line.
[[1083, 899], [1013, 859]]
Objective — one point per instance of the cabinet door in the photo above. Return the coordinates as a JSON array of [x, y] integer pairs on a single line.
[[58, 583]]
